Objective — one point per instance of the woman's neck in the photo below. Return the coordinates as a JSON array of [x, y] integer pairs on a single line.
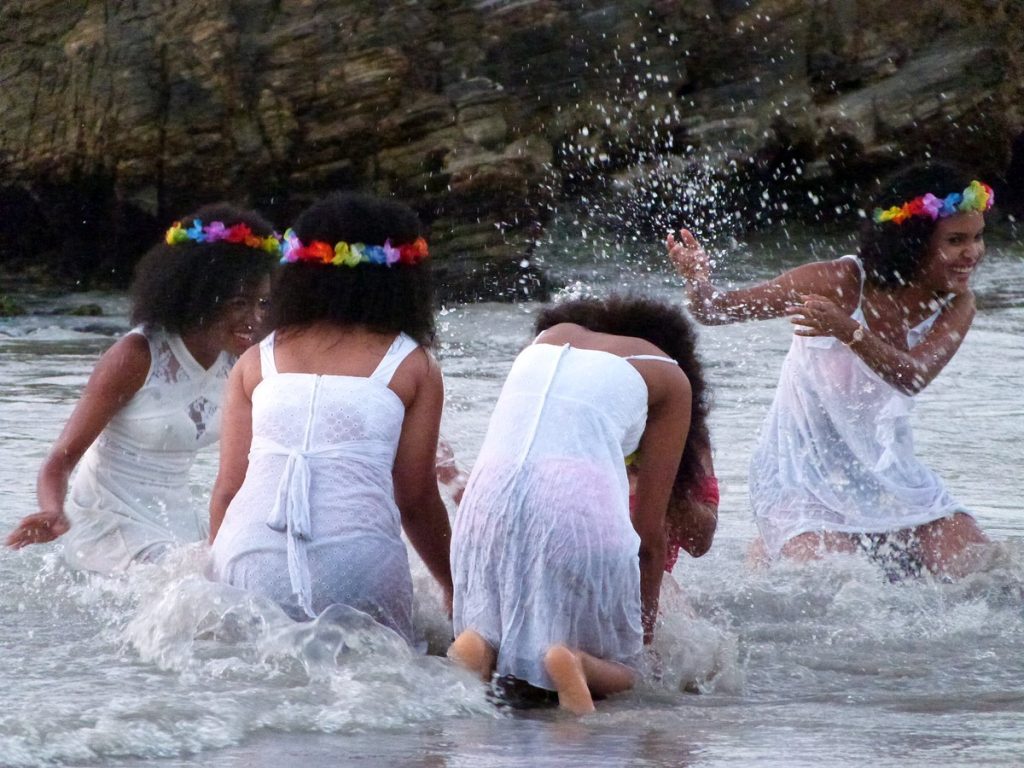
[[203, 349]]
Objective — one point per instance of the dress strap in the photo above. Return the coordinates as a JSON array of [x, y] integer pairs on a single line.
[[267, 365], [400, 349], [863, 275], [662, 358], [918, 332], [532, 434], [147, 334]]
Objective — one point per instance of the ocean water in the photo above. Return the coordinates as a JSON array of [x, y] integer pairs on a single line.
[[825, 664]]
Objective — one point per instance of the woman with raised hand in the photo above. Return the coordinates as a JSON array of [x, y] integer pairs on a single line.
[[834, 469]]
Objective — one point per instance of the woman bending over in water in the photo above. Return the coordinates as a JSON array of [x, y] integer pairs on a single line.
[[556, 582]]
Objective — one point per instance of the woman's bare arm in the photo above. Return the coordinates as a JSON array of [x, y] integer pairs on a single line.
[[424, 517], [668, 422], [236, 436], [839, 279], [118, 375], [909, 371]]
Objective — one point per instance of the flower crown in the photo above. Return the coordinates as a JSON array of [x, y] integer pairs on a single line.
[[352, 254], [216, 232], [977, 197]]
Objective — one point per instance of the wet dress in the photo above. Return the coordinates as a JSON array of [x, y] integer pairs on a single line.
[[543, 549], [836, 452], [130, 498], [315, 522]]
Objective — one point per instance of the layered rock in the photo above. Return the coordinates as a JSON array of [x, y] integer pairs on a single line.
[[117, 116]]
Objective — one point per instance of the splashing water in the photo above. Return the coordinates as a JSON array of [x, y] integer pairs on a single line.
[[824, 664]]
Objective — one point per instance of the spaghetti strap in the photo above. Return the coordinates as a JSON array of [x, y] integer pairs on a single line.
[[400, 348], [267, 365], [650, 357], [863, 275]]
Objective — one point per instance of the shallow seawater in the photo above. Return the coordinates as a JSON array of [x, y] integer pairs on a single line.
[[827, 664]]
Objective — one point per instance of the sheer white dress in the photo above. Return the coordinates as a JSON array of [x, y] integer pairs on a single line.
[[543, 549], [315, 522], [836, 452], [130, 498]]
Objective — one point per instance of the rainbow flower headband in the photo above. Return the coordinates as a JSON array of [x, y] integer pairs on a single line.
[[216, 232], [977, 197], [352, 254]]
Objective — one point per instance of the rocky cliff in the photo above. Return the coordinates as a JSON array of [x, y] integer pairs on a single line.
[[117, 115]]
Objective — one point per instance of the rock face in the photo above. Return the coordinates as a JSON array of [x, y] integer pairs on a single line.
[[118, 115]]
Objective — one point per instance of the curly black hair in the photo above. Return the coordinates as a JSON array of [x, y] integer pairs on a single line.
[[893, 254], [388, 299], [183, 287], [669, 329]]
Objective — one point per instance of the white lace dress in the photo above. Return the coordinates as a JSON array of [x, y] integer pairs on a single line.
[[315, 522], [836, 452], [130, 498], [543, 550]]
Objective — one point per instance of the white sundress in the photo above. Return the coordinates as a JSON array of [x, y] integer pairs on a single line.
[[315, 522], [543, 549], [130, 498], [836, 452]]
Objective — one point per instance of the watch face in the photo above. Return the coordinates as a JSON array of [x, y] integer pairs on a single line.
[[858, 335]]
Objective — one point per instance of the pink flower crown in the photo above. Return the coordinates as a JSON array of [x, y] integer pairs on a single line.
[[977, 197], [216, 232], [352, 254]]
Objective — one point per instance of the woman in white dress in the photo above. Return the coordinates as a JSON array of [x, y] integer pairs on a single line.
[[834, 469], [331, 424], [556, 584], [154, 398]]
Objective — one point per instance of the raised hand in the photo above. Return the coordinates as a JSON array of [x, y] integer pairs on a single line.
[[689, 257]]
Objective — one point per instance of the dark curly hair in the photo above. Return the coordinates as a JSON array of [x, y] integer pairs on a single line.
[[388, 299], [893, 254], [183, 287], [669, 329]]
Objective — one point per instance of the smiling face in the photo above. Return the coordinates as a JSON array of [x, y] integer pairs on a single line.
[[954, 250], [237, 323]]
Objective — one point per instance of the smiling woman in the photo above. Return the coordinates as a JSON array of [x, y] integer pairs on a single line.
[[835, 468], [153, 399]]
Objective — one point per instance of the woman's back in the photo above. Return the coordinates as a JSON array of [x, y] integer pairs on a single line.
[[352, 422], [350, 440], [319, 490], [544, 550], [572, 396]]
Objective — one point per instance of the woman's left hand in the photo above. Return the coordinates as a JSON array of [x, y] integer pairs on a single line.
[[819, 316]]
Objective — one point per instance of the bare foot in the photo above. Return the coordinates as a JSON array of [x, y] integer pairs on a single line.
[[474, 653], [566, 671]]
